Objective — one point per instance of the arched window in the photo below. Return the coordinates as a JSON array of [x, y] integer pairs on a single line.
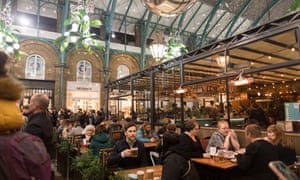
[[35, 67], [84, 71], [123, 71]]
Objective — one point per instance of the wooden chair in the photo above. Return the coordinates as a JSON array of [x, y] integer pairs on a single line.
[[104, 155], [204, 142], [116, 135]]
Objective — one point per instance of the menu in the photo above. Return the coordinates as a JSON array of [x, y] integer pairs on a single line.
[[292, 111]]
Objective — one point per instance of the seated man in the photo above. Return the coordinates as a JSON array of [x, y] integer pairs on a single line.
[[145, 133], [254, 162], [223, 138], [122, 154]]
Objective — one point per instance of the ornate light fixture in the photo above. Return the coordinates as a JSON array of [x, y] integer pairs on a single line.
[[158, 47], [79, 34], [8, 39], [169, 8], [222, 61]]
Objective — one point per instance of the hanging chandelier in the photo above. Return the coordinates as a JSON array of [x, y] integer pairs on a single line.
[[158, 47]]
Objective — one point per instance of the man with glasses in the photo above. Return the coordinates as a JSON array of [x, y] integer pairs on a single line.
[[223, 138]]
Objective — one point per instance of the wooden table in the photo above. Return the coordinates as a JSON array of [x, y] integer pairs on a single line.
[[157, 171], [226, 164], [150, 144]]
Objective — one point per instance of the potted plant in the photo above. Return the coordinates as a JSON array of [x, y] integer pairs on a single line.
[[65, 151], [87, 166]]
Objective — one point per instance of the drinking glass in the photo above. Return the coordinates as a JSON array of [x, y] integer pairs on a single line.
[[212, 152]]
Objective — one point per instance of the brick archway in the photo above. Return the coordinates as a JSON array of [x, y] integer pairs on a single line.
[[122, 59]]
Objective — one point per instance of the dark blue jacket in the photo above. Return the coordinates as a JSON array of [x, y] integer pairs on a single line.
[[127, 162]]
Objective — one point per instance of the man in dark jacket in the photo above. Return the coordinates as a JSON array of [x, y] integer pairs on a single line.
[[122, 154], [39, 122], [176, 160], [254, 162]]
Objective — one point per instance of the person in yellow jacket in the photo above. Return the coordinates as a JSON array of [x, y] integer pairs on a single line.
[[11, 118]]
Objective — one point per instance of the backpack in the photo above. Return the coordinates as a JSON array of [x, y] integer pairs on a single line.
[[24, 156]]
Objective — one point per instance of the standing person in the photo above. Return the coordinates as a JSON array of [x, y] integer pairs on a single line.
[[122, 154], [259, 152], [286, 152], [146, 134], [39, 122], [223, 138], [257, 113], [22, 156]]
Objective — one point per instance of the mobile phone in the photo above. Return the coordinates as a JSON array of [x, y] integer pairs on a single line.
[[282, 171]]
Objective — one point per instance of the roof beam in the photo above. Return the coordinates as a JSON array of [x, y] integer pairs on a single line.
[[125, 15], [237, 16], [155, 26], [192, 17], [144, 33], [211, 15], [221, 17], [237, 27], [267, 9]]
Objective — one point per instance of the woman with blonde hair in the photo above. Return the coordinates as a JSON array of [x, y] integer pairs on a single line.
[[286, 151]]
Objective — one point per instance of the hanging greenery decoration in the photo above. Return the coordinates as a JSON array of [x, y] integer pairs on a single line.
[[79, 34], [294, 6], [174, 47], [9, 41]]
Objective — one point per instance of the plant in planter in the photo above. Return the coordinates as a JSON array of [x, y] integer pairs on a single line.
[[79, 34], [88, 166]]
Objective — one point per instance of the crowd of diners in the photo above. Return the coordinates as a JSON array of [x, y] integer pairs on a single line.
[[176, 149]]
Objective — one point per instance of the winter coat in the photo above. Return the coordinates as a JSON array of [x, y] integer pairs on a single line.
[[100, 141], [10, 115], [177, 164]]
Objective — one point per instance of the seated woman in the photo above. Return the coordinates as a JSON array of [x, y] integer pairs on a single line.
[[128, 152], [88, 132], [285, 150], [145, 133], [100, 140], [189, 138]]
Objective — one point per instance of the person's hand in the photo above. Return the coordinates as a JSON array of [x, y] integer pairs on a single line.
[[153, 139], [126, 153], [231, 133]]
